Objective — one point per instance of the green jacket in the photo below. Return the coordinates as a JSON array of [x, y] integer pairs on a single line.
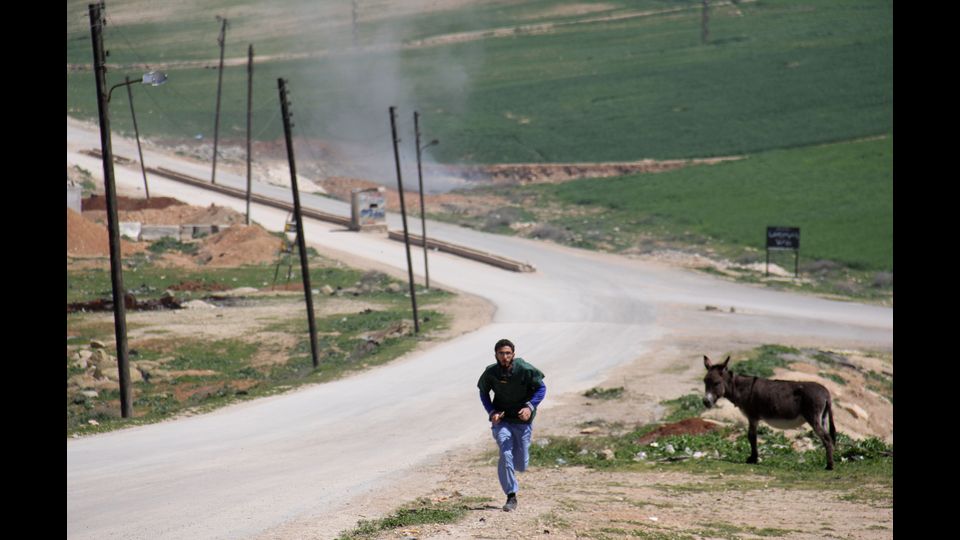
[[511, 391]]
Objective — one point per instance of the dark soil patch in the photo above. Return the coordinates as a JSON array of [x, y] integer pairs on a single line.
[[689, 426], [130, 303], [99, 202], [198, 286]]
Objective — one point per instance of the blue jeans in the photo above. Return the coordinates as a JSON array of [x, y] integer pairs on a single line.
[[514, 443]]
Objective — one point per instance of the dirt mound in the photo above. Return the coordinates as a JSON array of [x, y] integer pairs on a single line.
[[99, 202], [239, 245], [179, 214], [690, 426], [214, 215], [529, 173], [88, 239]]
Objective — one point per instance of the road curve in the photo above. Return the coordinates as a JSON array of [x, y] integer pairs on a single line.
[[252, 467]]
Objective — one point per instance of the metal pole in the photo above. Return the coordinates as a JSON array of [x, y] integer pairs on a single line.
[[249, 109], [116, 270], [136, 131], [423, 221], [354, 11], [301, 242], [403, 212], [705, 23], [222, 39]]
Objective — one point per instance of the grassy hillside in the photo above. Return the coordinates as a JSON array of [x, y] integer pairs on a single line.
[[774, 74], [840, 195]]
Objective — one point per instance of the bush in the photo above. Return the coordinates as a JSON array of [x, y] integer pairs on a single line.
[[546, 231]]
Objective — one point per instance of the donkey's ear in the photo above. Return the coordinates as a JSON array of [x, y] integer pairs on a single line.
[[706, 362], [725, 362]]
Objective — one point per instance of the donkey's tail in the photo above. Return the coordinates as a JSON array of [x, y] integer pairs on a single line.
[[833, 429]]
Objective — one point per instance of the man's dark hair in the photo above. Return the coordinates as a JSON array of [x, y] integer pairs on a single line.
[[504, 343]]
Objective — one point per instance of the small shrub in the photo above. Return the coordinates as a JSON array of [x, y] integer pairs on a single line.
[[546, 231], [768, 357], [169, 244], [882, 280], [502, 218], [688, 406], [833, 377], [820, 267], [604, 393]]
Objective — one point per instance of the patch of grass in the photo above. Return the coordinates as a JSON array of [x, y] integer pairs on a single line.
[[729, 530], [873, 495], [420, 512], [85, 330], [688, 406], [725, 451], [169, 244], [84, 178], [344, 351], [880, 383], [147, 281], [554, 519], [222, 356], [648, 532], [604, 393], [763, 361], [833, 377]]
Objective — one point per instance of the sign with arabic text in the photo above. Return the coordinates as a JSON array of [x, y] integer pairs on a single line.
[[783, 237]]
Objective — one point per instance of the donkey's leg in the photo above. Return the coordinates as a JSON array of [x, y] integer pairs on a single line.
[[752, 436], [816, 423], [833, 429]]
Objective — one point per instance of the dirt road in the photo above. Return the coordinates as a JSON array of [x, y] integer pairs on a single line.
[[308, 459]]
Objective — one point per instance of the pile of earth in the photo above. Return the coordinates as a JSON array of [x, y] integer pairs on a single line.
[[688, 426], [160, 211], [239, 245], [236, 245], [88, 239]]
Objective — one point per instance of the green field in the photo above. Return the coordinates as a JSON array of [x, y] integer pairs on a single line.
[[774, 74], [840, 195], [802, 89]]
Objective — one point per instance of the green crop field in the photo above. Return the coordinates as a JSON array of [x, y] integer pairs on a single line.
[[840, 195], [803, 89], [773, 74]]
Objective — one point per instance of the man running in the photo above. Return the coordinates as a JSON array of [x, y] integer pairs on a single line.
[[517, 390]]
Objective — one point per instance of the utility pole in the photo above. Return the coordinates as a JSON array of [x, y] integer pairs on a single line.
[[249, 112], [354, 12], [222, 39], [403, 212], [301, 242], [705, 22], [423, 221], [136, 131], [116, 269]]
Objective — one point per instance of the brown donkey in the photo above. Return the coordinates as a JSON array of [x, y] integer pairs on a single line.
[[781, 404]]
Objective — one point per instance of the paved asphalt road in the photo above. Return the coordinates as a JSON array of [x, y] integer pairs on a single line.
[[249, 468]]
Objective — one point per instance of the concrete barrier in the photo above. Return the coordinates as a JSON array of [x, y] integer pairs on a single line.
[[198, 230], [469, 253], [454, 249], [130, 229], [150, 233], [74, 198]]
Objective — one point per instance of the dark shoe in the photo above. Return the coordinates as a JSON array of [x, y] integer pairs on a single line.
[[511, 503]]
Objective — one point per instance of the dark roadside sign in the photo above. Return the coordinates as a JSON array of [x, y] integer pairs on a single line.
[[784, 238]]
